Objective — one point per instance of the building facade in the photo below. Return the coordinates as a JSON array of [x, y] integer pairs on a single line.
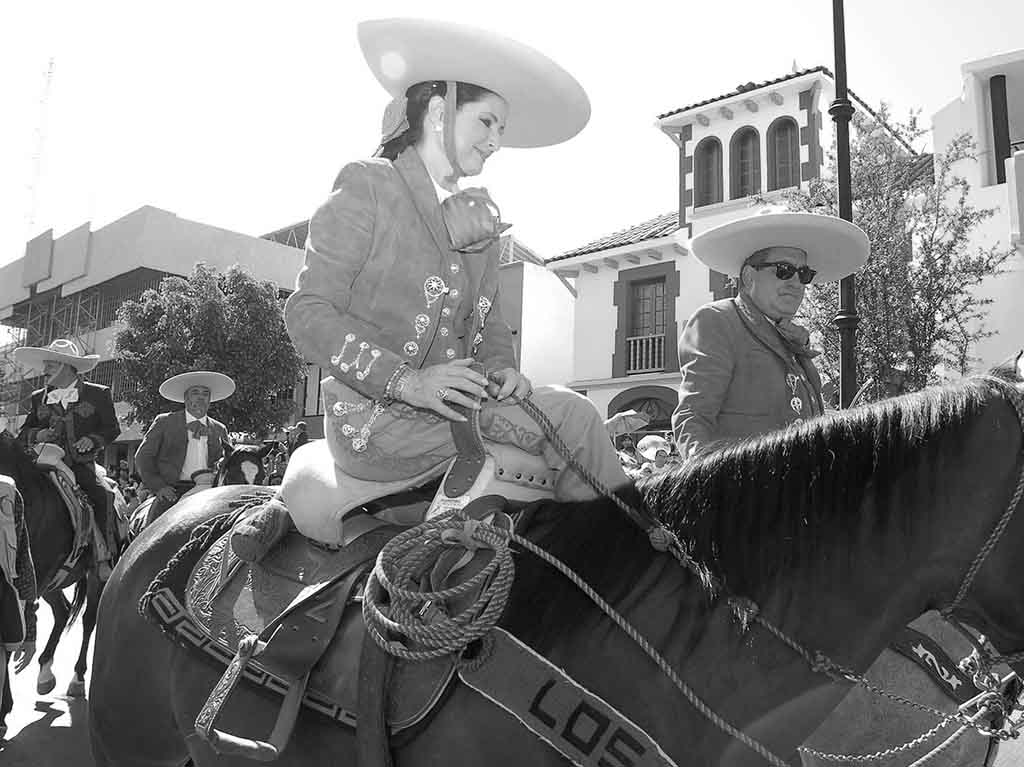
[[637, 287], [72, 287]]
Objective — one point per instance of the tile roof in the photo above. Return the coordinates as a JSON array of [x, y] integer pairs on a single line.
[[661, 226], [748, 87]]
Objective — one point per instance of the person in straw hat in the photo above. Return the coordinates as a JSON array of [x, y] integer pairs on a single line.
[[77, 416], [182, 443], [747, 367], [398, 294]]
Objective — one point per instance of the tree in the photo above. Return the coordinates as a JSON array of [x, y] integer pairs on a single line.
[[919, 311], [231, 323]]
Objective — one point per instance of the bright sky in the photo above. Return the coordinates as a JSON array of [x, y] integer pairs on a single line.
[[239, 114]]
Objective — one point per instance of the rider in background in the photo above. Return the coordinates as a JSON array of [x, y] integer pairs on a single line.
[[747, 367], [399, 292], [79, 417], [180, 444]]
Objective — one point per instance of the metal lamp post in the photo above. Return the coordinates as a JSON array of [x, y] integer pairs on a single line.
[[842, 110]]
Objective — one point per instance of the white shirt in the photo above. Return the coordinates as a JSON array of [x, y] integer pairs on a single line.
[[196, 455]]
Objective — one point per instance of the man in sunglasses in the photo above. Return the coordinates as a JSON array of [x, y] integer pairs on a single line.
[[747, 367]]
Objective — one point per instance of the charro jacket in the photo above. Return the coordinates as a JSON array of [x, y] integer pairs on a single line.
[[739, 378], [92, 416], [162, 453], [382, 287]]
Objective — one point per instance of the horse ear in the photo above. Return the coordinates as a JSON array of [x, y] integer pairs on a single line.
[[227, 448], [1020, 365]]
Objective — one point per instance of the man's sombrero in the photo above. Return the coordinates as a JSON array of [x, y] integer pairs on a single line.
[[835, 248], [220, 385], [546, 104], [59, 350]]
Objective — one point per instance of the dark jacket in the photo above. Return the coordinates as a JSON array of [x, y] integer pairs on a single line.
[[162, 453], [739, 378], [92, 416]]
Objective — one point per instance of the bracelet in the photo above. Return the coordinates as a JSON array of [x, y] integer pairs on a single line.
[[392, 388], [407, 375]]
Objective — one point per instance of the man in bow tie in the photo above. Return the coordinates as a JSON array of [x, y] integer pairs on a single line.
[[79, 417], [747, 367], [183, 443]]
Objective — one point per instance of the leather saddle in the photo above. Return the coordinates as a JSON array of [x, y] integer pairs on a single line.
[[292, 623], [50, 459]]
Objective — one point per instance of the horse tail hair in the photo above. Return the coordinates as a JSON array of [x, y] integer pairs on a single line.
[[78, 601]]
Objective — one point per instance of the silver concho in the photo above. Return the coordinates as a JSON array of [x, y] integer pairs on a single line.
[[411, 348], [433, 289], [797, 404], [483, 306], [421, 323]]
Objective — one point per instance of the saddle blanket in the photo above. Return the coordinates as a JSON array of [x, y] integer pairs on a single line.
[[209, 603]]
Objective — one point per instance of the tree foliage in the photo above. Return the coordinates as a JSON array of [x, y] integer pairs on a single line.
[[228, 322], [919, 312]]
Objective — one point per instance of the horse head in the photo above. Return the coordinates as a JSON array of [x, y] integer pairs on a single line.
[[243, 465]]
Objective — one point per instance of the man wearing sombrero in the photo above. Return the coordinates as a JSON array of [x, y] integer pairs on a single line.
[[177, 445], [76, 415], [746, 367], [398, 295]]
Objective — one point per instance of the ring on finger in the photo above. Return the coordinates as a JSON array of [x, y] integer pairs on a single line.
[[442, 394]]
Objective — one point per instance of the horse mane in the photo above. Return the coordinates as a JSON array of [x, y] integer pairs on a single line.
[[753, 510]]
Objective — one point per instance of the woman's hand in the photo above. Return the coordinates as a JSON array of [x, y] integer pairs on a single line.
[[433, 386], [509, 381]]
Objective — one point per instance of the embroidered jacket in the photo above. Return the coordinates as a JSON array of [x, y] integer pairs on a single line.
[[18, 592], [738, 377], [382, 287], [92, 416]]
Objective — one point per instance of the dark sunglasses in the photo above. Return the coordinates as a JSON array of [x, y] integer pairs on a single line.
[[785, 271]]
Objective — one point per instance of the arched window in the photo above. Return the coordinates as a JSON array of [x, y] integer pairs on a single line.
[[707, 172], [783, 154], [744, 164]]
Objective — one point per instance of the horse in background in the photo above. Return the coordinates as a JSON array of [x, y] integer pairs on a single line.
[[240, 465], [52, 538], [837, 530]]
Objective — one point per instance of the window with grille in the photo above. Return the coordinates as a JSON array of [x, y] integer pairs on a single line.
[[707, 172], [744, 164], [783, 154]]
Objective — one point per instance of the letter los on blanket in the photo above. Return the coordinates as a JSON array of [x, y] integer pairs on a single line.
[[583, 727]]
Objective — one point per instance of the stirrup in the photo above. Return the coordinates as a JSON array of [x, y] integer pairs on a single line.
[[470, 473]]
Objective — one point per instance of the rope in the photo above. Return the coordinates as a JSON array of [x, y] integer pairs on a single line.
[[402, 562]]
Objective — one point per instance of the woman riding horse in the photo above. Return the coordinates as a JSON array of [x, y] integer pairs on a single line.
[[399, 293]]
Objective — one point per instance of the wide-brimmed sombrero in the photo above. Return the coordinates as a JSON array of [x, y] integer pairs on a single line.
[[835, 248], [220, 385], [546, 104], [59, 350]]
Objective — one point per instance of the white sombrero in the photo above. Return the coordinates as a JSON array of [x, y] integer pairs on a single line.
[[649, 446], [220, 385], [59, 350], [835, 248], [546, 104]]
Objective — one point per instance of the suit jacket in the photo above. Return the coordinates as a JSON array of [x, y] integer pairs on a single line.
[[162, 453], [92, 416], [738, 377], [381, 286]]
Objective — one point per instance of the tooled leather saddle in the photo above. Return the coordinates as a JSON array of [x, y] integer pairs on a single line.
[[290, 620]]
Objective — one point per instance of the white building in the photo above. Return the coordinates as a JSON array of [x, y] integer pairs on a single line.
[[637, 287]]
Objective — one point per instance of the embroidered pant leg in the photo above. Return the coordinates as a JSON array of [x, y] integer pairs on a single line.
[[579, 425], [101, 499]]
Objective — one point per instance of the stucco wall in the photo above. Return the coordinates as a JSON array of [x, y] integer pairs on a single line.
[[548, 322]]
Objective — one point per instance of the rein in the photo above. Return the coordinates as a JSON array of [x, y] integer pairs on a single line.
[[459, 631]]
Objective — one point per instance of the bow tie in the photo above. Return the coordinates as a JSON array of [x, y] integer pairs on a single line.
[[198, 429], [63, 397]]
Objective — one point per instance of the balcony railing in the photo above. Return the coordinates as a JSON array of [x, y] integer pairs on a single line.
[[645, 354]]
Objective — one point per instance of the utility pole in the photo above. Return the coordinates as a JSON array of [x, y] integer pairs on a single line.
[[37, 156]]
